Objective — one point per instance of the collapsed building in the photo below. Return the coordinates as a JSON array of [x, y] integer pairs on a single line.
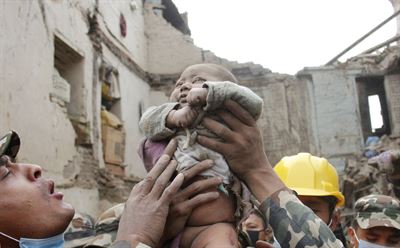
[[77, 75]]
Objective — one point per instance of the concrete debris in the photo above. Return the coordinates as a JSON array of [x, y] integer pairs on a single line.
[[381, 61], [376, 175]]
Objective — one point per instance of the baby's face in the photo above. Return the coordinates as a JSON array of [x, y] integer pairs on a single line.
[[193, 77]]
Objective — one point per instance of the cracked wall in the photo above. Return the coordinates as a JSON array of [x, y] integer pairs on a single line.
[[338, 118], [27, 66]]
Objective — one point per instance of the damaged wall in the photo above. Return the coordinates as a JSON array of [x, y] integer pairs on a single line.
[[392, 89], [58, 112], [166, 44], [340, 103], [334, 100], [26, 76]]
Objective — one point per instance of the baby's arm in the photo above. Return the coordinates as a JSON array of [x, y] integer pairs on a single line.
[[218, 92], [182, 118], [153, 121], [160, 122]]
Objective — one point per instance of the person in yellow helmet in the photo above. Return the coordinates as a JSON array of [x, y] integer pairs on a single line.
[[316, 182]]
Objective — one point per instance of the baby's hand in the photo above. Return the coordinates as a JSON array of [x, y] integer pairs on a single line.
[[183, 117], [197, 96]]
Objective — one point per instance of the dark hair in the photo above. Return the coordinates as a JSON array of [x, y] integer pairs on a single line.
[[332, 201]]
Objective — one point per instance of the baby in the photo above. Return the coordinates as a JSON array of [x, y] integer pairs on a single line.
[[200, 90]]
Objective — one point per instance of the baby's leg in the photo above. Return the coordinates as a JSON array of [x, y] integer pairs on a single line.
[[216, 235]]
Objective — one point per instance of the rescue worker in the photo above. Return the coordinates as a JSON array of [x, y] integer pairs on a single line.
[[240, 141], [144, 219], [33, 214], [316, 183], [376, 223]]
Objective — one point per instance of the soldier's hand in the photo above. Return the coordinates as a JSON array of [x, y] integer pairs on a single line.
[[243, 148], [147, 207], [241, 138], [189, 198]]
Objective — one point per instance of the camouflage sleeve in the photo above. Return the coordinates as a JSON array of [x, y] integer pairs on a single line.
[[126, 244], [218, 92], [294, 224], [153, 121]]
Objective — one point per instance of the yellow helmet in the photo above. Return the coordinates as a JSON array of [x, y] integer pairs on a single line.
[[310, 176]]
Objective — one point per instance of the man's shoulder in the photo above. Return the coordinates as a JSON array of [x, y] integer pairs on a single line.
[[102, 233]]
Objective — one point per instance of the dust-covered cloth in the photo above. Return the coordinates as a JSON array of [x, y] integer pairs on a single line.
[[189, 152]]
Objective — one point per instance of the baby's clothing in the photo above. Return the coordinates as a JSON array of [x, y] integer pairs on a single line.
[[189, 152]]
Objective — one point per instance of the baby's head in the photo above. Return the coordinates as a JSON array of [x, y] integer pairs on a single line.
[[195, 75]]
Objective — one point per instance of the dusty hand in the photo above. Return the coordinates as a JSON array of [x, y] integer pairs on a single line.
[[243, 148], [190, 198], [147, 208], [197, 96], [182, 118]]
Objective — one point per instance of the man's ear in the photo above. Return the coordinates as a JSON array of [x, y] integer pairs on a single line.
[[335, 219], [353, 241]]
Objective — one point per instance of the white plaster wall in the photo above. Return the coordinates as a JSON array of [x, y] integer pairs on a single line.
[[338, 128], [169, 51], [133, 91], [26, 69], [135, 40], [392, 89], [83, 200], [157, 98], [285, 122], [69, 19]]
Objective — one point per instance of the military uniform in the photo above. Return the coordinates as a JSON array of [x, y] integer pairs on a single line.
[[80, 231], [377, 210], [294, 224]]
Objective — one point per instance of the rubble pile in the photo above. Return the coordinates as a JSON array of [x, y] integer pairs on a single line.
[[375, 171]]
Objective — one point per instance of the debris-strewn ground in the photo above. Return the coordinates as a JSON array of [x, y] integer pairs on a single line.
[[369, 174]]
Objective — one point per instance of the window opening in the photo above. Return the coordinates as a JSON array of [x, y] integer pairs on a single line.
[[373, 106], [68, 85], [375, 112]]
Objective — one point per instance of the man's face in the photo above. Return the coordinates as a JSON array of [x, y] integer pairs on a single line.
[[380, 235], [29, 206], [319, 207], [194, 76]]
